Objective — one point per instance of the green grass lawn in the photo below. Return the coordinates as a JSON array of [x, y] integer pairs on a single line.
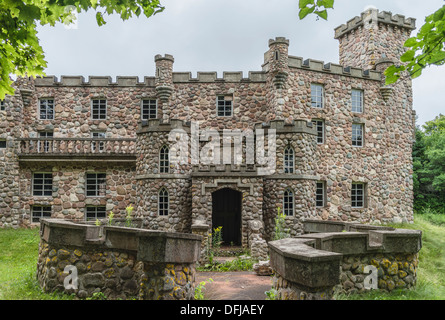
[[19, 252]]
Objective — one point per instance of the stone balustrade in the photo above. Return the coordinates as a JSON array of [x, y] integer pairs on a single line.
[[346, 258], [119, 262], [59, 147]]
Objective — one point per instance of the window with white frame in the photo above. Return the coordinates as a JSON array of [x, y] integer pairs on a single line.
[[164, 162], [39, 212], [289, 160], [358, 195], [319, 126], [357, 134], [225, 106], [45, 145], [46, 109], [320, 200], [357, 100], [99, 109], [94, 213], [97, 146], [317, 95], [42, 184], [96, 184], [149, 109], [163, 202], [288, 203]]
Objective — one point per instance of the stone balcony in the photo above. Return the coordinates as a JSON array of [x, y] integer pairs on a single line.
[[77, 149]]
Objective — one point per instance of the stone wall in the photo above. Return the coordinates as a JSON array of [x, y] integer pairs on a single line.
[[120, 263], [69, 198], [344, 258]]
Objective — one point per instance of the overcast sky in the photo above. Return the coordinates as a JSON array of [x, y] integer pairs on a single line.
[[221, 35]]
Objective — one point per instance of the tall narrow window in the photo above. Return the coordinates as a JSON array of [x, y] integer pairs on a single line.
[[164, 163], [149, 109], [320, 194], [42, 184], [319, 126], [46, 109], [357, 101], [93, 213], [39, 212], [224, 106], [358, 195], [96, 184], [99, 109], [288, 203], [357, 135], [97, 146], [289, 160], [163, 204], [45, 145], [317, 95], [2, 105], [2, 144]]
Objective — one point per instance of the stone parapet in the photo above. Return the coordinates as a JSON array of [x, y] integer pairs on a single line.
[[384, 17], [117, 261], [314, 265]]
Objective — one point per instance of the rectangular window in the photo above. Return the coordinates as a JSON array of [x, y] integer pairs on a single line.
[[99, 109], [224, 106], [358, 195], [149, 109], [97, 145], [2, 144], [320, 194], [357, 135], [2, 105], [45, 145], [319, 125], [42, 184], [96, 184], [357, 101], [46, 107], [39, 212], [317, 95], [93, 213]]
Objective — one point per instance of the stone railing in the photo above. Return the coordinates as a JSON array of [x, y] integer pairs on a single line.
[[118, 262], [344, 258], [44, 147]]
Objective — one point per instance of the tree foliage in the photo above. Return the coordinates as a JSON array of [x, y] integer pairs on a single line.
[[20, 51], [425, 49], [429, 165]]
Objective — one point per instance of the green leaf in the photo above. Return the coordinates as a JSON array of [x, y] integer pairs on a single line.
[[304, 3], [322, 14], [408, 56], [305, 11], [411, 42], [328, 4]]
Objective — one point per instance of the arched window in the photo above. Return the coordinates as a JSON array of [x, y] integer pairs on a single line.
[[288, 203], [164, 163], [163, 202], [289, 160]]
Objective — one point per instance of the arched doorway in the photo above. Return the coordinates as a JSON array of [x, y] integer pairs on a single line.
[[226, 212]]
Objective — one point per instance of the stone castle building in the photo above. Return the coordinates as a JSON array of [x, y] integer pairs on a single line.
[[78, 149]]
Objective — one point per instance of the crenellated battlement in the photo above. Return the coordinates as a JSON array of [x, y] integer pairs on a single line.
[[384, 17], [160, 125]]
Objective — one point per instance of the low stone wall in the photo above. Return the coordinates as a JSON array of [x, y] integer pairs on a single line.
[[345, 258], [120, 263]]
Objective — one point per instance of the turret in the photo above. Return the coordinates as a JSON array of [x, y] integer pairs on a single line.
[[373, 37], [164, 76]]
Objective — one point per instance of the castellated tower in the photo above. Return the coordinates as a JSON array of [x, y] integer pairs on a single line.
[[373, 37], [164, 80]]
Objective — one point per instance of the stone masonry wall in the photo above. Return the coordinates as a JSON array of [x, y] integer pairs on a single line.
[[69, 198]]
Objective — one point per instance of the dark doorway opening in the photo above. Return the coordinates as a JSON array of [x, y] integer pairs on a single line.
[[226, 213]]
